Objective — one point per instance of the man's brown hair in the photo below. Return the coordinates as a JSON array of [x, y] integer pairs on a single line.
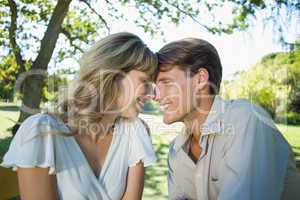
[[190, 55]]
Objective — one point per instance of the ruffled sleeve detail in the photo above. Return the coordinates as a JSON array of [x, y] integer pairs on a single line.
[[33, 144], [141, 148]]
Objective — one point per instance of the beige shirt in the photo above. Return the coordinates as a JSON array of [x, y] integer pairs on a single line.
[[244, 157]]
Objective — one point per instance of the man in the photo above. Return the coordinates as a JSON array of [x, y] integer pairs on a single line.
[[229, 150]]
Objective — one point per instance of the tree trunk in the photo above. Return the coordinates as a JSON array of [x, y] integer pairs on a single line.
[[34, 79]]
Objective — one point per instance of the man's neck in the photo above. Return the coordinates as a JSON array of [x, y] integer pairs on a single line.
[[195, 119]]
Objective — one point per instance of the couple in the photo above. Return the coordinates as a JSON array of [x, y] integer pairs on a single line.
[[94, 146]]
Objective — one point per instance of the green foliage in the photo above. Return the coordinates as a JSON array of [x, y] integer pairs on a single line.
[[204, 13], [52, 85], [8, 68], [291, 118], [265, 97], [273, 83], [151, 107]]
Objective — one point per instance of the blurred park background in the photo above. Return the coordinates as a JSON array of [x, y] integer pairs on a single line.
[[42, 40]]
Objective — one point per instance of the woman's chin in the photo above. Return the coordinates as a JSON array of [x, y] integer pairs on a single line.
[[169, 118], [132, 113]]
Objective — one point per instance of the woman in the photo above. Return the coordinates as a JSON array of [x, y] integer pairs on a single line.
[[94, 146]]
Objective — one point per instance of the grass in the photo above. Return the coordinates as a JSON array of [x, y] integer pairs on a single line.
[[9, 113], [156, 176], [292, 135]]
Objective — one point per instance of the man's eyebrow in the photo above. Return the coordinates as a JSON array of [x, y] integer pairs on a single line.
[[163, 79]]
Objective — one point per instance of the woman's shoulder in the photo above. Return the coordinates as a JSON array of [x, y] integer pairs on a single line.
[[137, 121], [32, 146], [38, 125], [39, 119], [140, 143], [134, 125]]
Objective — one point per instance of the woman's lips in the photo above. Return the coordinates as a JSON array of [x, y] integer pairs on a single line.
[[142, 100], [140, 104]]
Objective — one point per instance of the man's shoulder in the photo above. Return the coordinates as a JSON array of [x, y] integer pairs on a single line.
[[240, 110], [244, 119], [251, 121]]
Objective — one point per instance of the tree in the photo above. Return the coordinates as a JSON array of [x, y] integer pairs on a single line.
[[79, 23]]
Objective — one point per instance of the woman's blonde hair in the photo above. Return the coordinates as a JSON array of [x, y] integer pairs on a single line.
[[94, 93]]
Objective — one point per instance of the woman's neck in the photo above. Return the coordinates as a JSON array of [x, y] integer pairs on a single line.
[[94, 132]]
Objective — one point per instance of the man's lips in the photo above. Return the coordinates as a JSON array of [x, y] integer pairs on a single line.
[[165, 106]]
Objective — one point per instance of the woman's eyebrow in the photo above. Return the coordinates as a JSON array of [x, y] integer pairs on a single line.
[[142, 79]]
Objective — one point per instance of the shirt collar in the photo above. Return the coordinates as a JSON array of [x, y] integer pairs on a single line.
[[212, 125], [214, 121]]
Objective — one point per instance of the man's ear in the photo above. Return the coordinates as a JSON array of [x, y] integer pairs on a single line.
[[201, 78]]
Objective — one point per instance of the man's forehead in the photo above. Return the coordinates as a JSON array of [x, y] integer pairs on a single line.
[[171, 72], [166, 67]]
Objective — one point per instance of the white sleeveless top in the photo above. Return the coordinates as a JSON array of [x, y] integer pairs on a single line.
[[33, 147]]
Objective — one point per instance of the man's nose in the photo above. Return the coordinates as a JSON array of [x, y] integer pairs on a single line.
[[157, 96]]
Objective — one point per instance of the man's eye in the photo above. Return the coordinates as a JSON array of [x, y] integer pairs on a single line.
[[167, 82]]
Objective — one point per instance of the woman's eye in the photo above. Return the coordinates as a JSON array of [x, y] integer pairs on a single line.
[[147, 85]]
